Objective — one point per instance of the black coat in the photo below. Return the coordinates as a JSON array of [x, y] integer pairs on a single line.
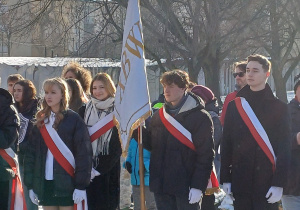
[[74, 133], [28, 114], [104, 191], [293, 184], [9, 123], [243, 162], [175, 168]]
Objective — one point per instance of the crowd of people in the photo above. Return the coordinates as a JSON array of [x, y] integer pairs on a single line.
[[66, 159]]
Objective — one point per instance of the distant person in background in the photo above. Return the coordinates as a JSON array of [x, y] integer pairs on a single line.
[[132, 166], [240, 81], [211, 106], [77, 96], [11, 80], [191, 85], [291, 193], [26, 104], [76, 71]]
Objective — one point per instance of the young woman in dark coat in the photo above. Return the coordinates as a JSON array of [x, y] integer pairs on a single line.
[[49, 183], [104, 190], [291, 193], [24, 93]]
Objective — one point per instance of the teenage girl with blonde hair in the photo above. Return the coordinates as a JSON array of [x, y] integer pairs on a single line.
[[58, 176]]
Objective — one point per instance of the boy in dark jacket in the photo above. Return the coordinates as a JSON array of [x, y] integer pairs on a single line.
[[255, 145], [9, 123], [181, 158]]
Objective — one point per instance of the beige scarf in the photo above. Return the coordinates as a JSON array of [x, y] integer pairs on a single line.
[[95, 111]]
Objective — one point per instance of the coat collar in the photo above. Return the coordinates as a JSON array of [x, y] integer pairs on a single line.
[[246, 91]]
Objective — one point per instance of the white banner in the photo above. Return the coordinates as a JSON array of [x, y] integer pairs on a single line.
[[132, 104]]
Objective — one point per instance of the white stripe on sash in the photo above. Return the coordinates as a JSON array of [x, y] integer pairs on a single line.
[[62, 147], [256, 123], [177, 125], [101, 123]]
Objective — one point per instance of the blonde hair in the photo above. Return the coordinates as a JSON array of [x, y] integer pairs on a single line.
[[108, 83], [45, 109]]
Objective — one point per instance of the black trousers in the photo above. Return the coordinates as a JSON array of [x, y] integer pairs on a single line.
[[4, 191], [252, 202], [171, 202]]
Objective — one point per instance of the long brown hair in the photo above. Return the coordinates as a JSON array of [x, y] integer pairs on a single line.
[[108, 83], [29, 93], [45, 110]]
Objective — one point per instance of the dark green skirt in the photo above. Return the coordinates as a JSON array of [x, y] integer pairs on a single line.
[[49, 198]]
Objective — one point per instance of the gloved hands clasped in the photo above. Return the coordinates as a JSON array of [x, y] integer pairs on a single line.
[[195, 195], [274, 194]]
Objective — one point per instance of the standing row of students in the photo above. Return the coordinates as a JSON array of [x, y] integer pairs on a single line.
[[59, 165]]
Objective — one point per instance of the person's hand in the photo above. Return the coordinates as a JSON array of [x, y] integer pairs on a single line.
[[78, 195], [11, 172], [227, 188], [274, 194], [94, 173], [195, 195], [33, 197], [128, 167]]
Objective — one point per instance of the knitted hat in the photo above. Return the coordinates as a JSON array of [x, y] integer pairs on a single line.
[[204, 92]]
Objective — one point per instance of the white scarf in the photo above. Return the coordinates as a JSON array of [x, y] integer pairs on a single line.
[[95, 111]]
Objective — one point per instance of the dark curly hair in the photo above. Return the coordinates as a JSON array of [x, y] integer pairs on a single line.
[[177, 76], [82, 75]]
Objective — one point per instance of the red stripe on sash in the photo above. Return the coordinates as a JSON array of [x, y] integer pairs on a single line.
[[63, 162], [16, 182], [254, 132], [176, 133], [102, 130]]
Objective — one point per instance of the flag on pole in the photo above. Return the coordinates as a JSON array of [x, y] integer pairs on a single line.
[[132, 104]]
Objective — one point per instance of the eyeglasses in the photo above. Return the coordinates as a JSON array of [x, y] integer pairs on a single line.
[[240, 74]]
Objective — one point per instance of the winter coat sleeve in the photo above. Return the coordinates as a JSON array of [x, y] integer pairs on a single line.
[[226, 149], [9, 123], [202, 137], [82, 155], [283, 154], [29, 160]]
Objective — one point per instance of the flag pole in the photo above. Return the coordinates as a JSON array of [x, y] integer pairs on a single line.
[[141, 167]]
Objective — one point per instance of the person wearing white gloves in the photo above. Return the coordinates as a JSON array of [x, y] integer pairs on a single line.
[[54, 183], [104, 190], [181, 158], [256, 140]]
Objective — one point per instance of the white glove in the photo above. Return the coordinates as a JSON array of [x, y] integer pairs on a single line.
[[78, 195], [227, 203], [227, 188], [274, 194], [94, 173], [195, 195], [33, 197]]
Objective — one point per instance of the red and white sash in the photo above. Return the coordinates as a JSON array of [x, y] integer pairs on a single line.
[[17, 198], [62, 155], [185, 137], [101, 127], [256, 129]]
